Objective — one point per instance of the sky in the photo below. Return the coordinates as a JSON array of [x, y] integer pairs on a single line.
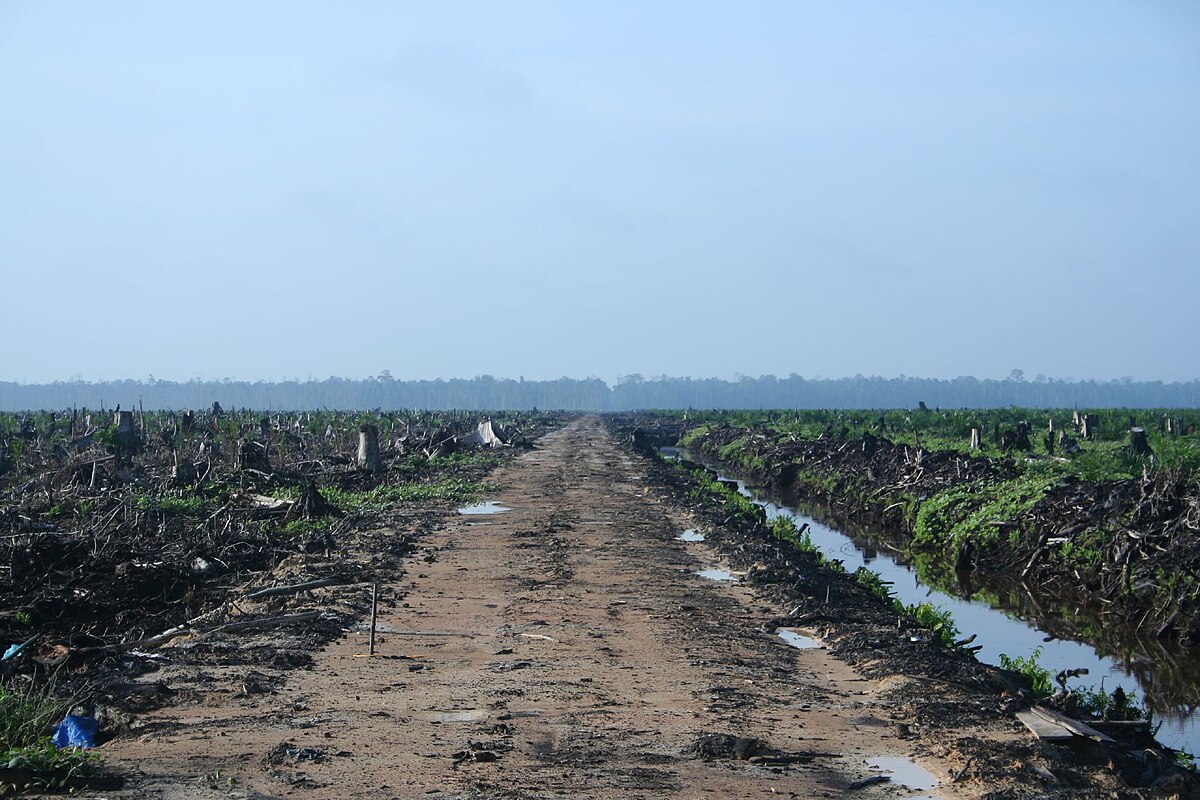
[[291, 189]]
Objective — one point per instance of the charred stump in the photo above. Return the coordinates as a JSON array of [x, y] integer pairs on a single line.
[[1016, 439], [1139, 443], [253, 455], [313, 504]]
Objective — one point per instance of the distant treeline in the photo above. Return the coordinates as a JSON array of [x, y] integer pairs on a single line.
[[593, 394]]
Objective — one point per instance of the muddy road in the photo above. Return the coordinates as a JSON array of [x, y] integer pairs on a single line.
[[564, 648]]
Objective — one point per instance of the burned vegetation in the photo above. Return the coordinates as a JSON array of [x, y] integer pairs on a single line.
[[121, 531]]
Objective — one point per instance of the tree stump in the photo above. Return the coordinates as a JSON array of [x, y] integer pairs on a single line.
[[976, 439], [1138, 442], [1089, 426], [253, 455], [1067, 445], [313, 504], [127, 438], [183, 474], [368, 448]]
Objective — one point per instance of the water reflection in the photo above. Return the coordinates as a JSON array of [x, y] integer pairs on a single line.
[[1012, 618]]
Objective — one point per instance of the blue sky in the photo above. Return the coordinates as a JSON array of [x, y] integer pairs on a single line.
[[267, 190]]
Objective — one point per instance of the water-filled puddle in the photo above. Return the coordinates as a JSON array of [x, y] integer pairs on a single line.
[[490, 507], [717, 575], [798, 640], [903, 773], [456, 715], [690, 536]]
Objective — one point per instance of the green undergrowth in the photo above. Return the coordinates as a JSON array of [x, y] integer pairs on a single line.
[[27, 715], [976, 512], [734, 502], [927, 615], [1105, 456], [189, 505], [379, 498], [50, 768], [785, 529], [1094, 700]]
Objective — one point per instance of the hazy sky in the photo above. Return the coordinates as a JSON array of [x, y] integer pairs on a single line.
[[267, 190]]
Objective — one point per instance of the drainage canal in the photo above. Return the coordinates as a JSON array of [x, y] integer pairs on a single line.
[[1015, 622]]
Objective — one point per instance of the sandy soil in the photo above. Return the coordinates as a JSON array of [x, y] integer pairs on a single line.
[[565, 648]]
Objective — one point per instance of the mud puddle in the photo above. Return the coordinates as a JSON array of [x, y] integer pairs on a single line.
[[489, 507], [453, 715], [905, 774], [718, 575], [798, 640], [690, 536]]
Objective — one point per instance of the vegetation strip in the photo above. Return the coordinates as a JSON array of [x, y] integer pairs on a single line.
[[1097, 519]]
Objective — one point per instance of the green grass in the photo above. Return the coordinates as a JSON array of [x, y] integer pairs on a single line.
[[28, 712], [308, 527], [189, 506], [457, 490]]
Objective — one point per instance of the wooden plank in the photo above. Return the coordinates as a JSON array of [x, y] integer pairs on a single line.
[[1043, 728], [1074, 725]]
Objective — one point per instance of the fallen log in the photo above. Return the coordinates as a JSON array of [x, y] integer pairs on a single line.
[[785, 759], [175, 633]]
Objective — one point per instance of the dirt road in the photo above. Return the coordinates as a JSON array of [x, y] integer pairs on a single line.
[[565, 648]]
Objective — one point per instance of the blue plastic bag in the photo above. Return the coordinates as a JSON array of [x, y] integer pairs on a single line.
[[75, 732], [16, 649]]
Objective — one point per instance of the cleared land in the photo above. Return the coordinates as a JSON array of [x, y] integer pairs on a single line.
[[565, 648]]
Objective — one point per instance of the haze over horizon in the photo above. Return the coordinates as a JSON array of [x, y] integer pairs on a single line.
[[273, 190]]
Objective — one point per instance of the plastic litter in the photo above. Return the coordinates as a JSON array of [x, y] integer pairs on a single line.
[[15, 649], [75, 731]]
